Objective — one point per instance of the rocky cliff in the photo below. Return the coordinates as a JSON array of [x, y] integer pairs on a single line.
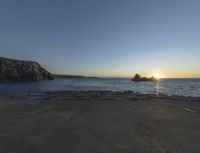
[[17, 70]]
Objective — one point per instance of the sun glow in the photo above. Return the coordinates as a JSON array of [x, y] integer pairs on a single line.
[[157, 75]]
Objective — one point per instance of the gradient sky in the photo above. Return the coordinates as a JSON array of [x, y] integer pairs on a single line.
[[104, 37]]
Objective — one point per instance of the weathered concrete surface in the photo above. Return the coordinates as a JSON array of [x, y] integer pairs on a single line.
[[18, 70], [99, 126]]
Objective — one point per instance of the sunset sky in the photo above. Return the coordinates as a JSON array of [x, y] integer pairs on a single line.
[[110, 38]]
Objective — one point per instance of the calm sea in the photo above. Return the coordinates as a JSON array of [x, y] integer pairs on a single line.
[[183, 87]]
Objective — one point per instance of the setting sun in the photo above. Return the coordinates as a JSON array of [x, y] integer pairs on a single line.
[[157, 75]]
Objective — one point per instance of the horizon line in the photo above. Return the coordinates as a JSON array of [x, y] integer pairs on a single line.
[[95, 76]]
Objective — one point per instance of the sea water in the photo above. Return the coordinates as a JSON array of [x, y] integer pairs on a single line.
[[181, 87]]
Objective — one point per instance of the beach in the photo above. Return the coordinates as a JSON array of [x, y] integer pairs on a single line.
[[55, 123]]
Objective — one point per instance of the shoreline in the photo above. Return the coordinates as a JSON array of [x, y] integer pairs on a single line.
[[93, 95]]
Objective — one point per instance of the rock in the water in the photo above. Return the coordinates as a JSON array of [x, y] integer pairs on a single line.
[[138, 78], [18, 70]]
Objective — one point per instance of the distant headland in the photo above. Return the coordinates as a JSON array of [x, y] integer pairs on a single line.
[[73, 76], [138, 78], [13, 70]]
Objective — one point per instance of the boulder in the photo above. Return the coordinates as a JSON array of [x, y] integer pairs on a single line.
[[12, 70]]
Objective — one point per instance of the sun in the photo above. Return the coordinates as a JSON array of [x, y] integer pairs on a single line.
[[157, 75]]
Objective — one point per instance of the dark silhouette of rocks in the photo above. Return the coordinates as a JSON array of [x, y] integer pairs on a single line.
[[18, 70], [138, 78]]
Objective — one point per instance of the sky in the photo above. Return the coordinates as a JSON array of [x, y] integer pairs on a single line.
[[108, 38]]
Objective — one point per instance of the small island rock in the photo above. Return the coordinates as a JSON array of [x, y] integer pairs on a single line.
[[138, 78]]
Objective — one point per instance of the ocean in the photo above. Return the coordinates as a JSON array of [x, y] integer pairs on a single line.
[[180, 87]]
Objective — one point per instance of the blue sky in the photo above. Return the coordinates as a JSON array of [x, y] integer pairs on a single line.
[[104, 37]]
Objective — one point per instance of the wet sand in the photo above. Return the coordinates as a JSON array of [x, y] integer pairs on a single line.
[[100, 126]]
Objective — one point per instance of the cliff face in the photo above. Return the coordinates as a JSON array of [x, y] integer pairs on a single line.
[[18, 70]]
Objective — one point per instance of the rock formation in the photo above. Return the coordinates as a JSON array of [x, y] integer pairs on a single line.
[[138, 78], [18, 70]]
